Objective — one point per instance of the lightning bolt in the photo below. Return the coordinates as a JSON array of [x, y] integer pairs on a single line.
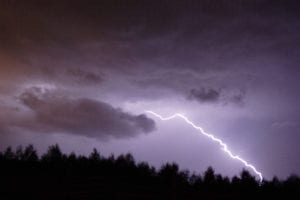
[[213, 138]]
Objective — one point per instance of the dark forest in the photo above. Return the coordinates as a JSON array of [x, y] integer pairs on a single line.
[[55, 175]]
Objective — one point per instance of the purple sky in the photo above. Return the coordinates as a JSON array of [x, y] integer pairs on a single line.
[[82, 73]]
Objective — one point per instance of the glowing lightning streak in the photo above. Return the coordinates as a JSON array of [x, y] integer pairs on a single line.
[[219, 141]]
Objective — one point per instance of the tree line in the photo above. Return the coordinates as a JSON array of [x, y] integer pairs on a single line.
[[55, 175]]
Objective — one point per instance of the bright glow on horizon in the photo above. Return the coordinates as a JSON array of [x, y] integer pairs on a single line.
[[212, 137]]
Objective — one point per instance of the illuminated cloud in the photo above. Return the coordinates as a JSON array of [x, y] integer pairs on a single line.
[[51, 113]]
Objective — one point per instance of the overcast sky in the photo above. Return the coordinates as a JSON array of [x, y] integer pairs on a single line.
[[82, 73]]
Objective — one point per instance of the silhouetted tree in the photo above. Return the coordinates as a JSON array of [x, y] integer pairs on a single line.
[[291, 184], [72, 157], [235, 180], [95, 155], [195, 179], [125, 160], [19, 153], [248, 184], [169, 170], [145, 169], [275, 181], [209, 176], [53, 154], [248, 179], [9, 154], [29, 154]]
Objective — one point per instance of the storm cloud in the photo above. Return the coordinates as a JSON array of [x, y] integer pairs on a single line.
[[222, 96], [205, 95], [58, 114]]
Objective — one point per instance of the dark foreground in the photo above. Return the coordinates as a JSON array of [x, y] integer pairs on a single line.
[[24, 175]]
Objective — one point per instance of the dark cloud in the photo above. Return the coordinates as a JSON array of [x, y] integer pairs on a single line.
[[52, 113], [137, 30], [224, 96], [70, 42], [204, 95]]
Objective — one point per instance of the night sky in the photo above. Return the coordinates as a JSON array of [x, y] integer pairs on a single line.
[[81, 73]]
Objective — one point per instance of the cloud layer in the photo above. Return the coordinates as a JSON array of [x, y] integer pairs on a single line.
[[51, 113]]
